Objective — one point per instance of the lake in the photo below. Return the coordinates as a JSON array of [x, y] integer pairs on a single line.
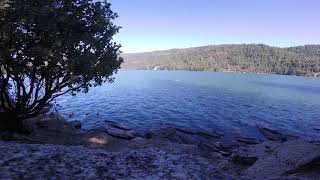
[[201, 101]]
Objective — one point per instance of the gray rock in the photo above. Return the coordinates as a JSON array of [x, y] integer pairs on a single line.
[[178, 135], [118, 125], [138, 139], [26, 161], [248, 155], [183, 138], [285, 160], [229, 142], [215, 147], [122, 134]]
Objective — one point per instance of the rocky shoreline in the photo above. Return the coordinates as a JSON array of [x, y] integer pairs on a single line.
[[61, 149]]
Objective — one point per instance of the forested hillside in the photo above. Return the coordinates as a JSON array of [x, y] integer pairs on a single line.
[[258, 58]]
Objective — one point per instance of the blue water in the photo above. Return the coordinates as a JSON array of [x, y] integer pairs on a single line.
[[201, 101]]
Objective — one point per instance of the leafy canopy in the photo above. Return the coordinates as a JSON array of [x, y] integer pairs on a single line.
[[52, 47]]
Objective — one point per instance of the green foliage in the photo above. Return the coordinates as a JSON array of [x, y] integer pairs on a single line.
[[258, 58], [52, 47]]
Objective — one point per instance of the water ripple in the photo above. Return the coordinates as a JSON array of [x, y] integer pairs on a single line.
[[201, 100]]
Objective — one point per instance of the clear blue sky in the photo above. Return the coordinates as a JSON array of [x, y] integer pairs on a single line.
[[163, 24]]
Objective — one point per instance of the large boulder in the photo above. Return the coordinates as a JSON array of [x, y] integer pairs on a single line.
[[290, 158]]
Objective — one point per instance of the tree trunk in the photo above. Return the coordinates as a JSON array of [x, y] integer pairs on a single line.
[[11, 122]]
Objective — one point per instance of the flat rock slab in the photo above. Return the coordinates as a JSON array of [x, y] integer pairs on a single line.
[[26, 161], [288, 159], [122, 134]]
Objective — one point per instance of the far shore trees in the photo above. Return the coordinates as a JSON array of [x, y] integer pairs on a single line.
[[255, 58], [49, 48]]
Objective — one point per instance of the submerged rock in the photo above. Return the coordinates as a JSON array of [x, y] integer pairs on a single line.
[[209, 135], [274, 135], [76, 124], [246, 140], [229, 141]]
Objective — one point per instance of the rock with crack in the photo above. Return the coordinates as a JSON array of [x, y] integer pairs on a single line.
[[286, 160]]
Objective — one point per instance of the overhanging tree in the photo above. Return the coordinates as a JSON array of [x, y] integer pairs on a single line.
[[49, 48]]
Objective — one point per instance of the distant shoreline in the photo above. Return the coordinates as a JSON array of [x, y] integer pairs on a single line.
[[244, 58], [237, 72]]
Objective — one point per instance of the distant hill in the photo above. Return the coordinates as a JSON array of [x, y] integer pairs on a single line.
[[257, 58]]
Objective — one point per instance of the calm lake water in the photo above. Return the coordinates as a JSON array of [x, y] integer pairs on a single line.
[[201, 101]]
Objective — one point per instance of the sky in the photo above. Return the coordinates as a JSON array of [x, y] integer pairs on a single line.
[[149, 25]]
